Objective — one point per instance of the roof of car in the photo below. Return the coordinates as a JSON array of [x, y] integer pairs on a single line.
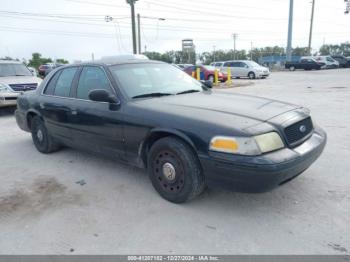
[[10, 62], [121, 59]]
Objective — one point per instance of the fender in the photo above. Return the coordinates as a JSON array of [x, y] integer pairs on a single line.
[[143, 145]]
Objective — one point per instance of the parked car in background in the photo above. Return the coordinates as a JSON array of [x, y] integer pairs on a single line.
[[217, 64], [45, 69], [207, 73], [343, 61], [329, 62], [15, 78], [245, 68], [305, 63], [184, 66]]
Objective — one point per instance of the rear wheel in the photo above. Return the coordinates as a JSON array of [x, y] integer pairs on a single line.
[[211, 78], [42, 140], [174, 170]]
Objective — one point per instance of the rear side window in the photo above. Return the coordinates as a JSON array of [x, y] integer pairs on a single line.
[[64, 82], [91, 78], [50, 88]]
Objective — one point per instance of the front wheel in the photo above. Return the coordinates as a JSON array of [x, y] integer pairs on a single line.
[[211, 78], [42, 140], [251, 75], [174, 170]]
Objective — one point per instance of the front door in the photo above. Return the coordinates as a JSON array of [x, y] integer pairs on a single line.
[[96, 126]]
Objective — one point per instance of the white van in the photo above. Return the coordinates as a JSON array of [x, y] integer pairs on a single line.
[[328, 60], [245, 68]]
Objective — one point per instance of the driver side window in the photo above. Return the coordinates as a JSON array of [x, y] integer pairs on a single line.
[[91, 78]]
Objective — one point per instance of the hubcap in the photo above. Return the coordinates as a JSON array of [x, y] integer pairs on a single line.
[[39, 135], [169, 171]]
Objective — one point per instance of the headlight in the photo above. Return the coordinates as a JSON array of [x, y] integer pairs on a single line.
[[250, 146], [4, 88]]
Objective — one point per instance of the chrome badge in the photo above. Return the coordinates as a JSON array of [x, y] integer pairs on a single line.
[[302, 129]]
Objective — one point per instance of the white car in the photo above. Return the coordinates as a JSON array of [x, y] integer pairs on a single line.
[[15, 78], [328, 61], [245, 68], [217, 65]]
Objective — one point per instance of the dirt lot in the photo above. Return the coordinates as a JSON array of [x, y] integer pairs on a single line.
[[71, 202]]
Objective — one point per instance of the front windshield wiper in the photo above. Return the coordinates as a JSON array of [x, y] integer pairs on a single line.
[[188, 91], [152, 95]]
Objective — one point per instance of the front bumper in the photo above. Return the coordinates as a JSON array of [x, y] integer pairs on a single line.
[[263, 74], [262, 173], [8, 99]]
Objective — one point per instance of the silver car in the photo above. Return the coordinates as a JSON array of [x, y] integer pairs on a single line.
[[15, 78], [245, 68]]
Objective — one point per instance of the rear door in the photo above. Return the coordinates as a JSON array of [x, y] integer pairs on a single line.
[[236, 69], [96, 126], [56, 103]]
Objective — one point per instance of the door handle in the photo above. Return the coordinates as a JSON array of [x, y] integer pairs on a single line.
[[74, 112]]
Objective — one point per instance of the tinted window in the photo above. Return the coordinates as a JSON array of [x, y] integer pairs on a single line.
[[92, 78], [49, 90], [227, 64], [235, 64], [65, 81]]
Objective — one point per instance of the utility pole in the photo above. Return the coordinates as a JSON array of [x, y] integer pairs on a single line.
[[139, 29], [311, 25], [234, 45], [290, 31], [347, 8], [132, 5], [139, 32]]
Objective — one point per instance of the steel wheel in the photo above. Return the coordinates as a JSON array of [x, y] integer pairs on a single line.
[[169, 172]]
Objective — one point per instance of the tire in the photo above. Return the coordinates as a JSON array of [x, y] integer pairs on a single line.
[[251, 75], [292, 68], [211, 78], [174, 170], [42, 140]]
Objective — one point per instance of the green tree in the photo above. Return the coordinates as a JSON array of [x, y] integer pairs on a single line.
[[38, 60], [62, 61]]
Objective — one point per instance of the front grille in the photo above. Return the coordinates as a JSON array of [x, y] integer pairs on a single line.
[[23, 87], [297, 132]]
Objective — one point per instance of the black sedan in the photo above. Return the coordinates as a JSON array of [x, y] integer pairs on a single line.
[[188, 136]]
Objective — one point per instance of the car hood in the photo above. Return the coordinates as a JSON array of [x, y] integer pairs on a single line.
[[220, 108], [11, 80]]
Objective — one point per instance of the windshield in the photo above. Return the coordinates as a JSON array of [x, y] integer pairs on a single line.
[[14, 70], [252, 64], [210, 68], [141, 79]]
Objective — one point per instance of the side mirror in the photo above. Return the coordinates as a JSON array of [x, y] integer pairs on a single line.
[[101, 95], [208, 83]]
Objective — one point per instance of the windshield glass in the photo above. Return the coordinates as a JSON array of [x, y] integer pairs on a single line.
[[14, 70], [210, 68], [252, 64], [141, 79]]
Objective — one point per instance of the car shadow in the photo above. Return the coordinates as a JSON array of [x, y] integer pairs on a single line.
[[7, 111]]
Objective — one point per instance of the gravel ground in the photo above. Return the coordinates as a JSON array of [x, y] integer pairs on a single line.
[[71, 202]]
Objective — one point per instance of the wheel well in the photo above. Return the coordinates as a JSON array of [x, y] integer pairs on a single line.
[[154, 137], [30, 116], [251, 72]]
